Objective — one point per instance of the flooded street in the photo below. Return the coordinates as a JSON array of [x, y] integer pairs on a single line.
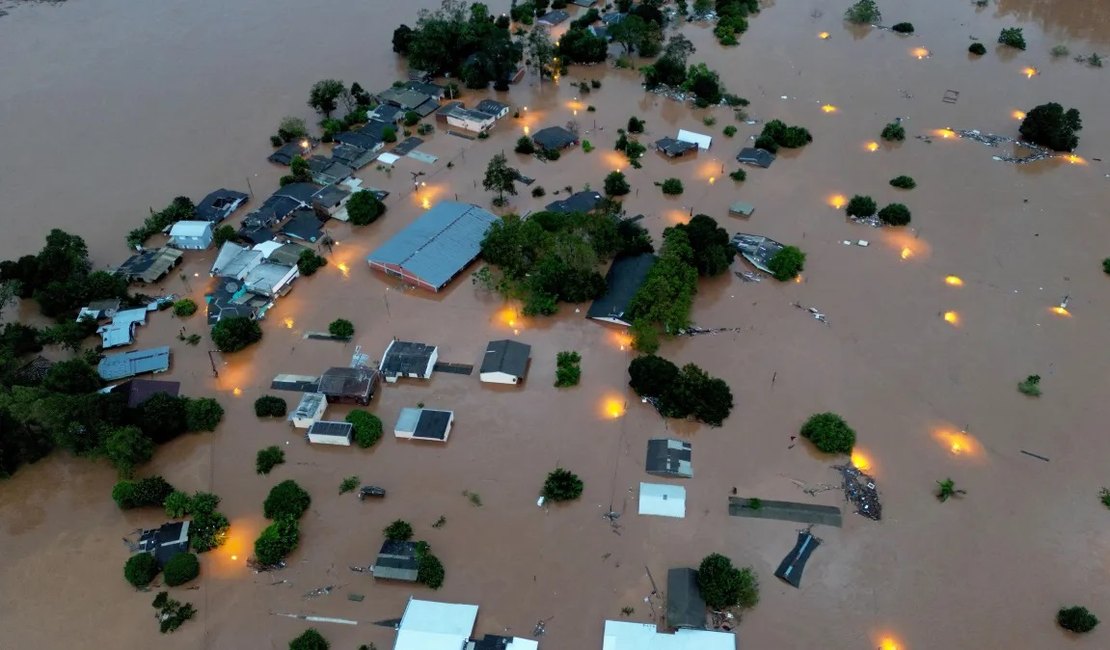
[[110, 108]]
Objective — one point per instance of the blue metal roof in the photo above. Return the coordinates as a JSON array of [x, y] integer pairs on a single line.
[[136, 362], [439, 244]]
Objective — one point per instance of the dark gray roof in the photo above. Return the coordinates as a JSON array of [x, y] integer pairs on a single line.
[[220, 204], [287, 254], [757, 157], [375, 129], [331, 428], [397, 561], [348, 382], [554, 137], [140, 390], [330, 196], [387, 113], [757, 249], [165, 541], [509, 357], [149, 265], [255, 234], [301, 192], [438, 244], [358, 139], [303, 225], [407, 358], [673, 147], [585, 201], [611, 19], [553, 17], [621, 283], [432, 425], [491, 106], [135, 362], [231, 298], [491, 642], [685, 607], [669, 458], [288, 151], [329, 170], [791, 567]]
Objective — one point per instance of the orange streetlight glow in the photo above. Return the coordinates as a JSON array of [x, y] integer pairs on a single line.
[[344, 269], [1018, 115], [829, 108], [907, 252], [237, 391], [945, 133], [613, 407], [824, 36], [1029, 72], [888, 644], [798, 279], [957, 443], [838, 201], [954, 281], [1074, 159], [920, 52], [872, 146], [1060, 311], [622, 340], [861, 460], [952, 318], [288, 323]]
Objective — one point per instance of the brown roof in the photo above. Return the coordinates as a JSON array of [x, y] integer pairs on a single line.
[[348, 382]]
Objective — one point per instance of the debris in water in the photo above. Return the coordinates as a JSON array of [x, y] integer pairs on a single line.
[[860, 489]]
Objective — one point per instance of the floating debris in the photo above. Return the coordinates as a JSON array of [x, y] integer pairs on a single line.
[[813, 310], [993, 140], [860, 489], [694, 330], [320, 591], [749, 276]]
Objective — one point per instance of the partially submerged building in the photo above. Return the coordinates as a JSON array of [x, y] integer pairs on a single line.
[[138, 391], [428, 625], [493, 107], [408, 99], [554, 138], [756, 157], [424, 424], [674, 148], [685, 606], [165, 541], [552, 18], [220, 205], [327, 432], [702, 140], [304, 225], [99, 309], [135, 362], [662, 500], [584, 201], [149, 266], [436, 247], [791, 567], [349, 384], [121, 331], [408, 359], [232, 298], [309, 410], [285, 154], [471, 120], [626, 635], [505, 362], [669, 458], [757, 249], [396, 561], [621, 283]]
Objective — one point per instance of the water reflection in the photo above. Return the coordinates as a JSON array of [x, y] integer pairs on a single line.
[[1062, 19]]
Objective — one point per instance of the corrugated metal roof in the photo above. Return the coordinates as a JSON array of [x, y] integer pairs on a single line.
[[136, 362], [190, 228], [703, 141], [662, 500], [626, 635], [439, 244], [428, 625]]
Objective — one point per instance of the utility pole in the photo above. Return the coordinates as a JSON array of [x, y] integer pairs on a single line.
[[212, 360]]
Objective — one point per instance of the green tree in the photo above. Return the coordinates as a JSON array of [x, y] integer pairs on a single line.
[[72, 377], [630, 33], [430, 571], [223, 234], [783, 135], [946, 489], [203, 414], [341, 328], [645, 337], [500, 178], [324, 95], [209, 527], [291, 128], [398, 531], [581, 46], [861, 206], [705, 84], [723, 586], [1076, 619], [903, 182], [567, 370], [562, 485], [672, 186], [893, 132], [402, 38], [184, 308], [977, 49], [829, 433], [277, 540], [652, 376], [267, 459], [150, 491], [127, 448], [180, 569], [1049, 125], [524, 145], [310, 639], [140, 569], [367, 428], [787, 263], [864, 12], [286, 499], [895, 214], [163, 417], [177, 504], [363, 208], [270, 406], [635, 124], [235, 333], [616, 184], [1012, 37], [308, 263], [903, 28], [712, 252], [389, 134]]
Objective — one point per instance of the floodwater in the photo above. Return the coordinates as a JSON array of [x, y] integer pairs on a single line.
[[109, 108]]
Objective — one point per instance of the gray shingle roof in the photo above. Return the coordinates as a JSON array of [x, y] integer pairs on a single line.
[[439, 244], [621, 283], [509, 357], [685, 606], [671, 458], [407, 358]]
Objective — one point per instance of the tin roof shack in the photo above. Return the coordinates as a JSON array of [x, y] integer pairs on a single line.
[[669, 458], [135, 362], [165, 541], [741, 209], [584, 201], [757, 157], [436, 247], [685, 606], [621, 283], [493, 107], [349, 384], [424, 424], [626, 635], [396, 561], [673, 148], [326, 432], [121, 331], [408, 359], [220, 205], [309, 410], [757, 249], [662, 500], [554, 137], [428, 625], [150, 266], [505, 362]]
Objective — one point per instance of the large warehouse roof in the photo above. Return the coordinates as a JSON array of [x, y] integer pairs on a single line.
[[439, 244]]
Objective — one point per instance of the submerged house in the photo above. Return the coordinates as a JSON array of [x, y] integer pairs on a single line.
[[554, 138], [285, 154], [621, 284], [408, 99], [471, 120], [231, 298], [396, 561], [135, 362], [121, 331], [669, 458], [428, 625], [165, 541], [325, 432], [349, 384], [626, 635], [662, 500], [674, 148], [757, 249], [493, 107], [138, 391], [756, 157], [505, 362], [685, 606], [584, 201], [309, 410], [304, 225], [220, 205], [149, 265], [408, 359], [424, 424], [700, 139]]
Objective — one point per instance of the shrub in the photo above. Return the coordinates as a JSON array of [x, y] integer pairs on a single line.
[[177, 504], [946, 489], [616, 184], [150, 491], [538, 191], [895, 214], [309, 262], [1106, 266], [411, 118], [389, 134], [893, 132], [223, 234], [277, 540], [367, 427], [348, 484], [276, 141], [291, 128], [863, 12], [1060, 50], [562, 485], [203, 414], [790, 137], [672, 186], [525, 145], [635, 125], [829, 433], [978, 49], [1076, 619], [1104, 497], [270, 406], [723, 586], [363, 208], [767, 143], [184, 308], [903, 182], [587, 147], [398, 531], [181, 568], [730, 131], [787, 263], [235, 333], [861, 206], [567, 370], [652, 376], [1013, 37], [1031, 386], [645, 337], [1049, 125], [709, 120], [140, 569], [267, 459], [286, 499], [430, 571], [310, 639], [903, 28], [341, 328], [208, 530], [739, 175]]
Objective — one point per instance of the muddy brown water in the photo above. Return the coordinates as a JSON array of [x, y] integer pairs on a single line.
[[113, 107]]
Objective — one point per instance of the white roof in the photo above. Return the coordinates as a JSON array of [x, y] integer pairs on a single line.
[[267, 247], [703, 141], [522, 644], [624, 635], [428, 625], [190, 228], [388, 158], [662, 500], [235, 261]]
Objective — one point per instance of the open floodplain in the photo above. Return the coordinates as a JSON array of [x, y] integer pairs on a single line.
[[107, 108]]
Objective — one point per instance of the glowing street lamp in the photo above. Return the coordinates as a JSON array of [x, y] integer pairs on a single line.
[[829, 108], [1029, 72], [954, 281], [952, 318], [872, 146], [824, 36]]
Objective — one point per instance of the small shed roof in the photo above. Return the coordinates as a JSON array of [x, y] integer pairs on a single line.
[[662, 500], [135, 362], [703, 141], [507, 356], [740, 207], [347, 382], [757, 157], [309, 406], [397, 561], [584, 201], [554, 137], [166, 541], [621, 283], [685, 606], [331, 429], [406, 358], [150, 265], [667, 457], [428, 625]]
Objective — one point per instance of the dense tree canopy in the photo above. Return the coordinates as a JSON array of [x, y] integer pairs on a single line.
[[829, 433], [681, 393], [310, 639], [578, 45], [235, 333], [722, 585], [667, 293], [364, 208], [1049, 125], [277, 540], [140, 569], [286, 499], [712, 253], [562, 485], [787, 263], [460, 41]]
